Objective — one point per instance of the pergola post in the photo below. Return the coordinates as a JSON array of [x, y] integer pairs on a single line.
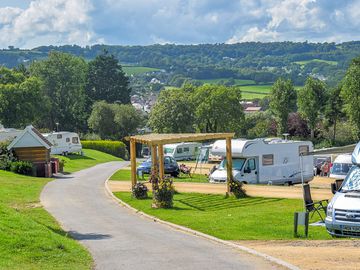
[[229, 164], [154, 169], [133, 162], [161, 161]]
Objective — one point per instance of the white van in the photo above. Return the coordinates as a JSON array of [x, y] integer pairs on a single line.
[[182, 151], [341, 166], [343, 211], [64, 142], [266, 161]]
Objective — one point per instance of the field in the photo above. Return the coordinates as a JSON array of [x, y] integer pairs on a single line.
[[303, 63], [90, 158], [238, 82], [134, 70], [29, 237], [252, 218]]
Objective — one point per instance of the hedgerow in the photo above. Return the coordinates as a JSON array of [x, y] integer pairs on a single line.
[[115, 148]]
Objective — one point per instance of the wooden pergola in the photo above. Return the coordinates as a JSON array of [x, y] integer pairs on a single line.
[[157, 141]]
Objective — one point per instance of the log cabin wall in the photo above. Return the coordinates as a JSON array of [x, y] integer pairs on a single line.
[[33, 154]]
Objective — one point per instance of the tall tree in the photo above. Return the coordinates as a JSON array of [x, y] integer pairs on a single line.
[[218, 109], [173, 111], [107, 81], [311, 102], [64, 79], [350, 93], [333, 109], [21, 100], [282, 102]]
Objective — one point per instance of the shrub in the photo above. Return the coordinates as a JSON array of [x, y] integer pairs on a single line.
[[61, 165], [139, 191], [22, 167], [6, 156], [163, 194], [237, 189], [115, 148]]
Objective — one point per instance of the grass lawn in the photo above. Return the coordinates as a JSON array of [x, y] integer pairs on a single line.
[[125, 175], [230, 218], [29, 237], [303, 63], [90, 158], [237, 81], [135, 70]]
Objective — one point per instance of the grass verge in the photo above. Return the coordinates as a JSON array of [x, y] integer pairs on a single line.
[[125, 175], [29, 237], [90, 158], [252, 218]]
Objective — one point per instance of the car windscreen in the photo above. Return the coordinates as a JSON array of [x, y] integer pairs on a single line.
[[238, 163], [340, 168], [352, 180], [168, 150]]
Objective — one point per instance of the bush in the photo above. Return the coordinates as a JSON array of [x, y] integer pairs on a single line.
[[236, 188], [139, 191], [163, 194], [21, 167], [115, 148], [6, 156]]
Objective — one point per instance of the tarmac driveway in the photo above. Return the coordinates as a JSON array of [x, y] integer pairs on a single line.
[[119, 239]]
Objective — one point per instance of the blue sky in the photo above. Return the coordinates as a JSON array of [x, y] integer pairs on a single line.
[[31, 23]]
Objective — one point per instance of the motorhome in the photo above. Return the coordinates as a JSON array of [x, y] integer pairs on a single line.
[[343, 211], [266, 161], [341, 166], [64, 142], [182, 151]]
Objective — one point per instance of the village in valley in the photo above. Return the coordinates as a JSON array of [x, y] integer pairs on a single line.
[[224, 140]]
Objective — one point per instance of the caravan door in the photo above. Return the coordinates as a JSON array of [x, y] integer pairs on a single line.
[[251, 171]]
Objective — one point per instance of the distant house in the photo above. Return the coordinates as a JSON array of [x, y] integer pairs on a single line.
[[31, 146], [252, 109]]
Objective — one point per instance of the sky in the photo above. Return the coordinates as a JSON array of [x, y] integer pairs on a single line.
[[32, 23]]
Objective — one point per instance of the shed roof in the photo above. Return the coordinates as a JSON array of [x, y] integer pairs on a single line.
[[30, 137], [152, 139]]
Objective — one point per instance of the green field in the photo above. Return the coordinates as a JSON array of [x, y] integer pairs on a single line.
[[29, 237], [229, 218], [238, 82], [303, 63], [125, 175], [90, 158], [134, 70]]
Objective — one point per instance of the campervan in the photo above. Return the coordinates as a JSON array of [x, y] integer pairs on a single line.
[[182, 151], [343, 211], [341, 166], [266, 161], [64, 142]]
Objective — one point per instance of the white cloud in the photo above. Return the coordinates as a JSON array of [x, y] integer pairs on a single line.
[[47, 22], [255, 34]]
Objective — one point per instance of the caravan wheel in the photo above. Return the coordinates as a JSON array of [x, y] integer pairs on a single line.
[[288, 183]]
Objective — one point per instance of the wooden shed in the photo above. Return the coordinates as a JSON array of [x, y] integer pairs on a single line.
[[31, 146]]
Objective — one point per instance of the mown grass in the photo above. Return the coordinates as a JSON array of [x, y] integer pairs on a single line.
[[225, 80], [125, 175], [134, 70], [29, 237], [303, 63], [230, 218], [90, 158]]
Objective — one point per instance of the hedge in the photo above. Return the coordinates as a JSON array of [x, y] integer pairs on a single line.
[[115, 148]]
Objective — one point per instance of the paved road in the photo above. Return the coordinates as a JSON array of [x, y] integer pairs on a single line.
[[119, 239]]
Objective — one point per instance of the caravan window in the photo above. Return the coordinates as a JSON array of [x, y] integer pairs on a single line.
[[268, 160], [59, 136], [168, 150], [303, 150], [179, 150], [186, 149], [75, 140], [67, 139]]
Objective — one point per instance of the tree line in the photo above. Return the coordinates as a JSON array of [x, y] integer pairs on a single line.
[[315, 111], [65, 91]]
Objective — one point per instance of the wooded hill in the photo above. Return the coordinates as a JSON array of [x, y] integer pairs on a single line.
[[261, 62]]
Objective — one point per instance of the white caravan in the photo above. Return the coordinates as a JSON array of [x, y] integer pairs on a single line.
[[266, 161], [341, 166], [182, 151], [64, 142]]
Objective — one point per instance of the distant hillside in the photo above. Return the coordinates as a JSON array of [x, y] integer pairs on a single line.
[[256, 61]]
